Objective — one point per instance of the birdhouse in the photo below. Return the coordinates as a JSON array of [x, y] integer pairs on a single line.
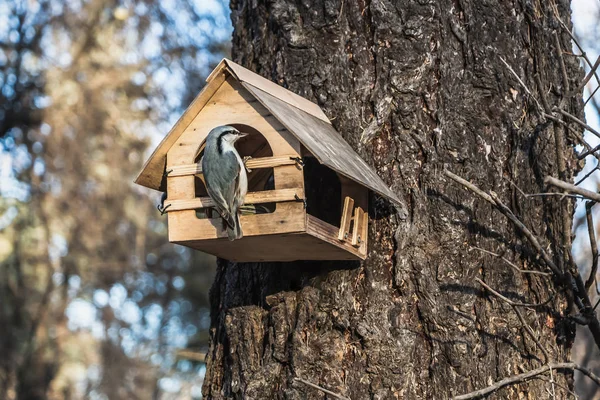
[[307, 189]]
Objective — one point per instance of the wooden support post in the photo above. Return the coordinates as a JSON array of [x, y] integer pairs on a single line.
[[364, 236], [346, 218], [357, 230]]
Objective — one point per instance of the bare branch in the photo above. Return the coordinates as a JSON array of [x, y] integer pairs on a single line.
[[511, 264], [493, 200], [568, 277], [528, 375], [192, 355], [572, 188], [523, 85], [563, 68], [574, 39], [573, 196], [588, 76], [591, 96], [580, 122], [593, 245], [541, 90], [329, 392], [588, 174], [519, 315], [509, 301]]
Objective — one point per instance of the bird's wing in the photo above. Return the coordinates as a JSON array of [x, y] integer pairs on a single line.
[[221, 183]]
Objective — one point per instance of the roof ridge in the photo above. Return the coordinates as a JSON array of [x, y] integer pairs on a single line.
[[287, 96]]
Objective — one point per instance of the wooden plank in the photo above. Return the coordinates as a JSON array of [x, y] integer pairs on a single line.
[[270, 162], [266, 196], [251, 78], [281, 247], [151, 175], [325, 143], [357, 231], [288, 217], [344, 230], [253, 163], [364, 234], [328, 233], [184, 170]]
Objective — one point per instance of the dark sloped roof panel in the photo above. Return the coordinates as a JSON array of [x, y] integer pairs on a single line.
[[324, 142]]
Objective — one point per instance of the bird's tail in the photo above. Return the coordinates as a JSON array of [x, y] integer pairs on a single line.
[[235, 232]]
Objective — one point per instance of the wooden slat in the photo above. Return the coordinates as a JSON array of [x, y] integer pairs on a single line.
[[266, 196], [364, 234], [184, 170], [288, 217], [357, 231], [327, 233], [253, 163], [346, 218], [270, 162]]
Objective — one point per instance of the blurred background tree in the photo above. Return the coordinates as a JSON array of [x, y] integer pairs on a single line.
[[94, 302]]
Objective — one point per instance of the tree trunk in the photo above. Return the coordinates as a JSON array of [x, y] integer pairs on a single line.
[[423, 84]]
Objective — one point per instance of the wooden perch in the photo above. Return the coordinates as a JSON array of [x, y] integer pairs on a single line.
[[252, 163], [266, 196]]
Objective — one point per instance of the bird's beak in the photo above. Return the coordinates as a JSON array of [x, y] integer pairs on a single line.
[[242, 134]]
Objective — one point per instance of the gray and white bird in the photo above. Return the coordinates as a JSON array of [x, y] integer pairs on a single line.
[[225, 176]]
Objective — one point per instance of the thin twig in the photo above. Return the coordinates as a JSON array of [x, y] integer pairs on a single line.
[[591, 96], [541, 109], [574, 39], [329, 392], [528, 375], [596, 305], [527, 195], [572, 188], [563, 68], [587, 175], [593, 245], [589, 75], [494, 201], [568, 277], [519, 315], [511, 264], [511, 302], [528, 234], [574, 196], [580, 122], [542, 92]]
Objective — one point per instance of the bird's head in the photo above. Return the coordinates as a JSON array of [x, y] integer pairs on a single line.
[[227, 133]]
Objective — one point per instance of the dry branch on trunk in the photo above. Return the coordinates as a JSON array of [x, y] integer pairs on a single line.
[[528, 375]]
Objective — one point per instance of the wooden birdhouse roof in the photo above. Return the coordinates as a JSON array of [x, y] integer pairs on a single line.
[[303, 118]]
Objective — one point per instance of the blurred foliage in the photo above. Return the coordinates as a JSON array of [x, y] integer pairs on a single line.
[[94, 301]]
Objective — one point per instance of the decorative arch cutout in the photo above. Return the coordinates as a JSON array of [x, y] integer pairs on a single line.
[[255, 145]]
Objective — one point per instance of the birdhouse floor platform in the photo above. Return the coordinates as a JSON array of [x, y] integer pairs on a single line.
[[318, 242]]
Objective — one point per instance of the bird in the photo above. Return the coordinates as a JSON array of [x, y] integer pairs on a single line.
[[225, 176]]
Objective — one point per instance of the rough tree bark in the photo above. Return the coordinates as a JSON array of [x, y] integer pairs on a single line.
[[422, 82]]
